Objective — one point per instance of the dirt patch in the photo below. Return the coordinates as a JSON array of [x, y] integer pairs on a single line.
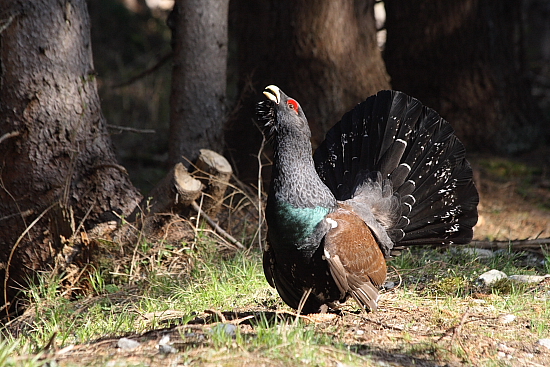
[[514, 199]]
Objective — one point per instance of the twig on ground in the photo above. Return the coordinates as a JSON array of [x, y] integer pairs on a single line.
[[111, 165], [51, 342], [217, 313], [4, 23], [24, 214], [138, 242], [12, 252], [384, 325], [216, 227], [301, 304], [526, 244], [241, 320], [455, 330], [458, 328], [400, 278], [81, 224]]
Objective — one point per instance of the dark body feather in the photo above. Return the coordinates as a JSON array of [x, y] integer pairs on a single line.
[[390, 173]]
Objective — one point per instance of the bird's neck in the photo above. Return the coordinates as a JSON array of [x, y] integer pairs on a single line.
[[294, 179], [298, 200]]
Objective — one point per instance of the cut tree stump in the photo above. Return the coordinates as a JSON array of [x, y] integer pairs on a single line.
[[174, 193], [215, 172]]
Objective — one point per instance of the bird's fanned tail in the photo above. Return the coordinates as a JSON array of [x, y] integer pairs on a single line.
[[392, 136]]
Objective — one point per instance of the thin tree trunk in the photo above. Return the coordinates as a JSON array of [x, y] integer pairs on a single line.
[[464, 58], [59, 164], [199, 41], [323, 53]]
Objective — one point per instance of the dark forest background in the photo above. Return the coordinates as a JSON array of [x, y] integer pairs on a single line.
[[132, 56]]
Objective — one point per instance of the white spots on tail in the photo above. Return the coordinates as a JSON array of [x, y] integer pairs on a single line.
[[401, 141], [454, 228]]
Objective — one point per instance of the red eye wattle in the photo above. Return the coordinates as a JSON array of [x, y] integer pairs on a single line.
[[293, 105]]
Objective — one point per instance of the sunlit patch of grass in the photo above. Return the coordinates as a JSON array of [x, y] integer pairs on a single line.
[[229, 284]]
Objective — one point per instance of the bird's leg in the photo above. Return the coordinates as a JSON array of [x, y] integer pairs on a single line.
[[303, 300]]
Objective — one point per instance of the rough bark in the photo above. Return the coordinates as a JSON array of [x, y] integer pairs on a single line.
[[323, 53], [60, 165], [199, 41], [465, 59]]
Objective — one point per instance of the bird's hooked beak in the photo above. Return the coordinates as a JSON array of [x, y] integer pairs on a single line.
[[273, 93]]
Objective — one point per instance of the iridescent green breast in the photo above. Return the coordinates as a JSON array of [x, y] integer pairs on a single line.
[[294, 226]]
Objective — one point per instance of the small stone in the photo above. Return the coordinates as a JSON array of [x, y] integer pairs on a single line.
[[359, 332], [544, 343], [490, 277], [528, 278], [127, 344], [389, 285], [164, 347], [227, 329], [506, 319], [167, 349], [164, 340]]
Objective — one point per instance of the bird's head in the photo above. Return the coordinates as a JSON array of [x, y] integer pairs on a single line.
[[281, 114]]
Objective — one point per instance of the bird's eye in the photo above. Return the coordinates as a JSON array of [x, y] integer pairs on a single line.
[[292, 104]]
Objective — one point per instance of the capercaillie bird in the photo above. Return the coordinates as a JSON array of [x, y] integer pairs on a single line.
[[390, 173]]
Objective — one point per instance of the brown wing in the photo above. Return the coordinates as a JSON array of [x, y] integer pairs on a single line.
[[355, 260]]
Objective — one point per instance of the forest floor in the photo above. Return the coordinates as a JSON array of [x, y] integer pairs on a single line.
[[194, 302]]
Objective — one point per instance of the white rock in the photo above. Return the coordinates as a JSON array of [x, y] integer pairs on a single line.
[[506, 319], [164, 340], [127, 344], [225, 328], [544, 343], [167, 349], [490, 277]]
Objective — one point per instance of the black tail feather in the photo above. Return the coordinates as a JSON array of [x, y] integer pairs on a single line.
[[394, 135]]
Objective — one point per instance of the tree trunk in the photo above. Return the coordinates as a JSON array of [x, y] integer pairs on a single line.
[[465, 59], [57, 163], [199, 41], [323, 53]]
